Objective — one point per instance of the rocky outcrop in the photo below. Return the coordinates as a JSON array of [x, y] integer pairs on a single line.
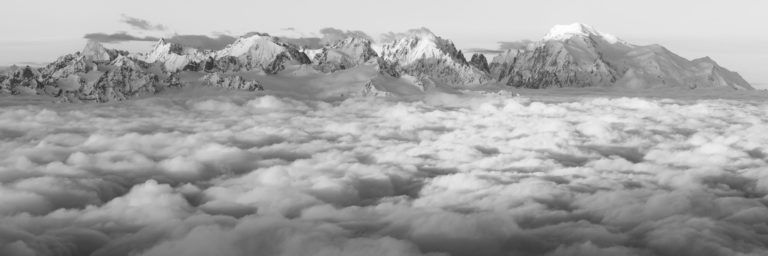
[[478, 61], [21, 81], [231, 82], [67, 65], [344, 54], [370, 90]]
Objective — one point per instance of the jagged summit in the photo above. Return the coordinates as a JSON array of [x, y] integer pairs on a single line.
[[163, 47], [564, 32], [421, 44], [174, 56], [421, 53]]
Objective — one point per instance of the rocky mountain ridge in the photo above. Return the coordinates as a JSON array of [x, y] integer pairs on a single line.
[[573, 55]]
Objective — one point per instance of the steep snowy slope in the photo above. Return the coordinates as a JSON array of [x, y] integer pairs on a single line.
[[423, 54], [261, 51], [577, 55]]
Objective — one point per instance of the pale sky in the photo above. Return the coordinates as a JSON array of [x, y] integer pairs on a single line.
[[734, 33]]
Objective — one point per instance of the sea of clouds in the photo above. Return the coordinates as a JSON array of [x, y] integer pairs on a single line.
[[447, 175]]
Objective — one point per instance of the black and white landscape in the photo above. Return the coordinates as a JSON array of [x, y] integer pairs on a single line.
[[576, 143]]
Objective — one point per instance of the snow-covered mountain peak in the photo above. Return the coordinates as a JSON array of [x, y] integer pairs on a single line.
[[564, 32], [421, 44], [174, 56], [422, 53], [251, 41], [260, 50]]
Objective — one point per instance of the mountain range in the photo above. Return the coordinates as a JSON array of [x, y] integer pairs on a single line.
[[574, 55]]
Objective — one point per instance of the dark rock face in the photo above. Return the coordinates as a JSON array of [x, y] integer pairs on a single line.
[[226, 64], [278, 64], [298, 55], [388, 67], [176, 49], [231, 82], [478, 60]]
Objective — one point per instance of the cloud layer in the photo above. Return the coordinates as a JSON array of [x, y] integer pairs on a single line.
[[117, 37], [141, 23], [513, 45], [220, 41], [448, 175]]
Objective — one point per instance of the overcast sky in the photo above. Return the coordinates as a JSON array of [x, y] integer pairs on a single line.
[[734, 33]]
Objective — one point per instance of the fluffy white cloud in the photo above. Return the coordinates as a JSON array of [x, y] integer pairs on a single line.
[[457, 174]]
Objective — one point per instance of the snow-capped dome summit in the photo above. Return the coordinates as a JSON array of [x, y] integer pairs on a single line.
[[564, 32]]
